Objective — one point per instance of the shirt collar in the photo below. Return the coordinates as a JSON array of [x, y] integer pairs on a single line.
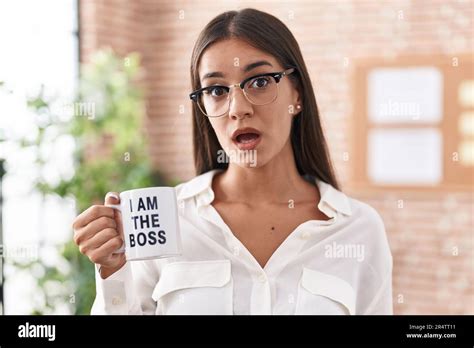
[[332, 200], [199, 185]]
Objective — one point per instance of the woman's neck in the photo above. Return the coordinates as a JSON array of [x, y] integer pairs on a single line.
[[278, 181]]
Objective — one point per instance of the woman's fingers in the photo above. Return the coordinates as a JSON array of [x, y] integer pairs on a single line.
[[92, 213], [90, 230], [114, 198], [98, 234], [98, 240], [104, 253]]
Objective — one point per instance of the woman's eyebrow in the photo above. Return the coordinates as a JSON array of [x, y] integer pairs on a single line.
[[252, 66], [247, 68]]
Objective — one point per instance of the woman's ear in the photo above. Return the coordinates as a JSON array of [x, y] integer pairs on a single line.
[[299, 108], [298, 105], [299, 97]]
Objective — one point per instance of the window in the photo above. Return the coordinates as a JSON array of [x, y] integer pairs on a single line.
[[39, 47]]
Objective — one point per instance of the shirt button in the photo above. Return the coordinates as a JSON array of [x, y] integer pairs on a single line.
[[262, 278], [116, 301], [305, 235]]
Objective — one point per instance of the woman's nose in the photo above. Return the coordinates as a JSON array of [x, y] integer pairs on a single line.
[[239, 107]]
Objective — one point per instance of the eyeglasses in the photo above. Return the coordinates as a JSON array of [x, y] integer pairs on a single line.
[[214, 101]]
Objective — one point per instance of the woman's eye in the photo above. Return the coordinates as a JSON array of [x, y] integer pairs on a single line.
[[216, 91], [259, 82]]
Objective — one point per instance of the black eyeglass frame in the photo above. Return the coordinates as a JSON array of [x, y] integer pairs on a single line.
[[194, 96]]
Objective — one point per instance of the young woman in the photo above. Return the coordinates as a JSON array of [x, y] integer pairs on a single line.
[[265, 229]]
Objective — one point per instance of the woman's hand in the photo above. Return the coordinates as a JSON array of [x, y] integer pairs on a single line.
[[98, 233]]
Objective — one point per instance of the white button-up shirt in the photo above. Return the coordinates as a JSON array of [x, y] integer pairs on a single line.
[[339, 266]]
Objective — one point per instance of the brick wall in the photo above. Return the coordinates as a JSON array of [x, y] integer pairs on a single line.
[[431, 233]]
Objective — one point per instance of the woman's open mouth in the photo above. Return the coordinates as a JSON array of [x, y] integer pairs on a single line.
[[246, 138], [247, 141]]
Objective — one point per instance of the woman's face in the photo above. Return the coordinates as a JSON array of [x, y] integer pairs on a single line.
[[232, 61]]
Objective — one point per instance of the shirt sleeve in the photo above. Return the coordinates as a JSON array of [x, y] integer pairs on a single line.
[[377, 283], [127, 291], [382, 302]]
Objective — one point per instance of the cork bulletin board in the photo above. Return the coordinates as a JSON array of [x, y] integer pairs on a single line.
[[413, 123]]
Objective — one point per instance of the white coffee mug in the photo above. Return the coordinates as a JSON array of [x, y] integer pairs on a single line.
[[150, 223]]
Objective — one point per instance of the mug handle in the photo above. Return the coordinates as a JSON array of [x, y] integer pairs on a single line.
[[117, 207]]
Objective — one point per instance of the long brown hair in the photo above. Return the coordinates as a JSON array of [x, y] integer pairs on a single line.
[[270, 35]]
